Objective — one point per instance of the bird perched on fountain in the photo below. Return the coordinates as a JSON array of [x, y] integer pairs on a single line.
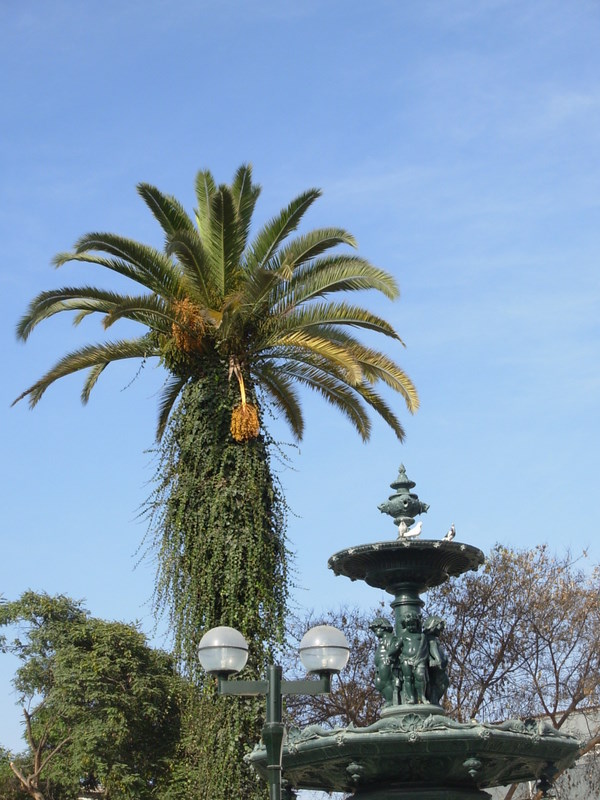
[[451, 534], [405, 533]]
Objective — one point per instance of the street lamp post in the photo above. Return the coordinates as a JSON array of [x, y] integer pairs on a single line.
[[223, 652]]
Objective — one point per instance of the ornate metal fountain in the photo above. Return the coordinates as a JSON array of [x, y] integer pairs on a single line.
[[415, 751]]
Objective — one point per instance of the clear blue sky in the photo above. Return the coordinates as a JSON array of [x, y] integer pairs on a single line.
[[459, 141]]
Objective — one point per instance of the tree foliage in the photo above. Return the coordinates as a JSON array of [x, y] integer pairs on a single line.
[[218, 521], [216, 733], [523, 638], [10, 786], [100, 707]]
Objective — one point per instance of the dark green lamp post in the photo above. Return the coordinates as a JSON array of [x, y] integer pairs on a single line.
[[324, 651]]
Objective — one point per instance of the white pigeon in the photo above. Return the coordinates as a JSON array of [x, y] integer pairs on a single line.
[[451, 534], [415, 530], [402, 529]]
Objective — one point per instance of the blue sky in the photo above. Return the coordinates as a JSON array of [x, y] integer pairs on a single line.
[[458, 142]]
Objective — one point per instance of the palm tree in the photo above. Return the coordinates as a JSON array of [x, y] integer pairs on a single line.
[[215, 301], [240, 325]]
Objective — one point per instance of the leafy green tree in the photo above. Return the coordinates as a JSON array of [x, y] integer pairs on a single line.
[[100, 706], [10, 786], [220, 305], [240, 325]]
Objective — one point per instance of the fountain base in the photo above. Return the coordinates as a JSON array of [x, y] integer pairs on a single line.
[[418, 793], [425, 757]]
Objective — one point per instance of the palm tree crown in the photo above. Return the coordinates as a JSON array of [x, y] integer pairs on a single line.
[[260, 308]]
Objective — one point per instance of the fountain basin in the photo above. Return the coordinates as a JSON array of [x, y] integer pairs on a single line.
[[411, 755], [423, 563]]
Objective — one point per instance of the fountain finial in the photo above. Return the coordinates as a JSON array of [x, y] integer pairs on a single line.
[[403, 505]]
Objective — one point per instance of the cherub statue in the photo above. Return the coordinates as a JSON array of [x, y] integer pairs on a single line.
[[414, 660], [386, 657], [438, 660]]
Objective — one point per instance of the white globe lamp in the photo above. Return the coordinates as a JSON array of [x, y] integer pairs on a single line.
[[324, 650], [223, 651]]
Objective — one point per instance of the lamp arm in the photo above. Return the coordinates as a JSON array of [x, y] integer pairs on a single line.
[[243, 688], [255, 688], [273, 731], [308, 687]]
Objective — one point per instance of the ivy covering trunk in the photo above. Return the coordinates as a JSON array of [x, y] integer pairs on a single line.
[[218, 521]]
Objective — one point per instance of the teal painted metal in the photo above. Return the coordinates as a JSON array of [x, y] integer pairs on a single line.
[[273, 732], [421, 748], [416, 752], [403, 505], [410, 662]]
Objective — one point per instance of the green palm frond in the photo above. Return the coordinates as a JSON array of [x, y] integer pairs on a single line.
[[286, 260], [254, 292], [168, 398], [324, 276], [307, 247], [169, 285], [78, 318], [377, 366], [146, 265], [86, 299], [281, 391], [91, 356], [166, 209], [323, 347], [224, 246], [244, 194], [149, 309], [334, 389], [205, 189], [91, 380], [319, 316], [338, 273], [379, 405], [278, 229], [311, 369], [195, 263]]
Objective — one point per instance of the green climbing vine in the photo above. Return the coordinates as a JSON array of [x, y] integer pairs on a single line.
[[217, 732], [217, 522]]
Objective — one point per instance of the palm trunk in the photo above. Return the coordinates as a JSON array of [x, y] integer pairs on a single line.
[[219, 521]]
